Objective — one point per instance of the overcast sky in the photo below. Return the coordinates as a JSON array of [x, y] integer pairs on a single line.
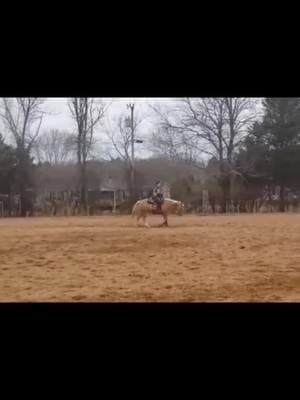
[[59, 118]]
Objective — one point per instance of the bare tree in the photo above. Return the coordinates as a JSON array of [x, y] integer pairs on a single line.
[[22, 117], [170, 143], [87, 113], [213, 126], [120, 136], [55, 146]]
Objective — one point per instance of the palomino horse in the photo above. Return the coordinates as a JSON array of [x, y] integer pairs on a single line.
[[142, 208]]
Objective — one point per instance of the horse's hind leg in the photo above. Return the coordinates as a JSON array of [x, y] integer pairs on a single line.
[[165, 223]]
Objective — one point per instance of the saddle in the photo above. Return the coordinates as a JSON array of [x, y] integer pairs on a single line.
[[156, 207]]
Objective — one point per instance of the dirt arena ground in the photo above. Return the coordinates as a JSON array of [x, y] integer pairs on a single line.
[[199, 259]]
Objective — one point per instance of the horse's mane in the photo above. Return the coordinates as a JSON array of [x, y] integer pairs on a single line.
[[171, 200]]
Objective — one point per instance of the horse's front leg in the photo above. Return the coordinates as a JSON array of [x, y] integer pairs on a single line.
[[137, 221], [145, 222], [165, 223]]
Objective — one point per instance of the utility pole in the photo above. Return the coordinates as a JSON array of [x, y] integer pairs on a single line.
[[130, 124], [131, 107]]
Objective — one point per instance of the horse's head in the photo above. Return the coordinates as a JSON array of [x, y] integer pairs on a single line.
[[180, 208]]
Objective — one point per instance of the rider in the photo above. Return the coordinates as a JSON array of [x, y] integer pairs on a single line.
[[157, 195]]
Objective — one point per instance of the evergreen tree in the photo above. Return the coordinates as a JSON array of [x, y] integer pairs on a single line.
[[8, 164], [273, 145]]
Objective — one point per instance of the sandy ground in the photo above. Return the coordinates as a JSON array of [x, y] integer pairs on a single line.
[[215, 258]]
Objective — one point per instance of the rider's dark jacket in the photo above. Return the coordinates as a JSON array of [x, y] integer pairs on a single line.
[[157, 194]]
